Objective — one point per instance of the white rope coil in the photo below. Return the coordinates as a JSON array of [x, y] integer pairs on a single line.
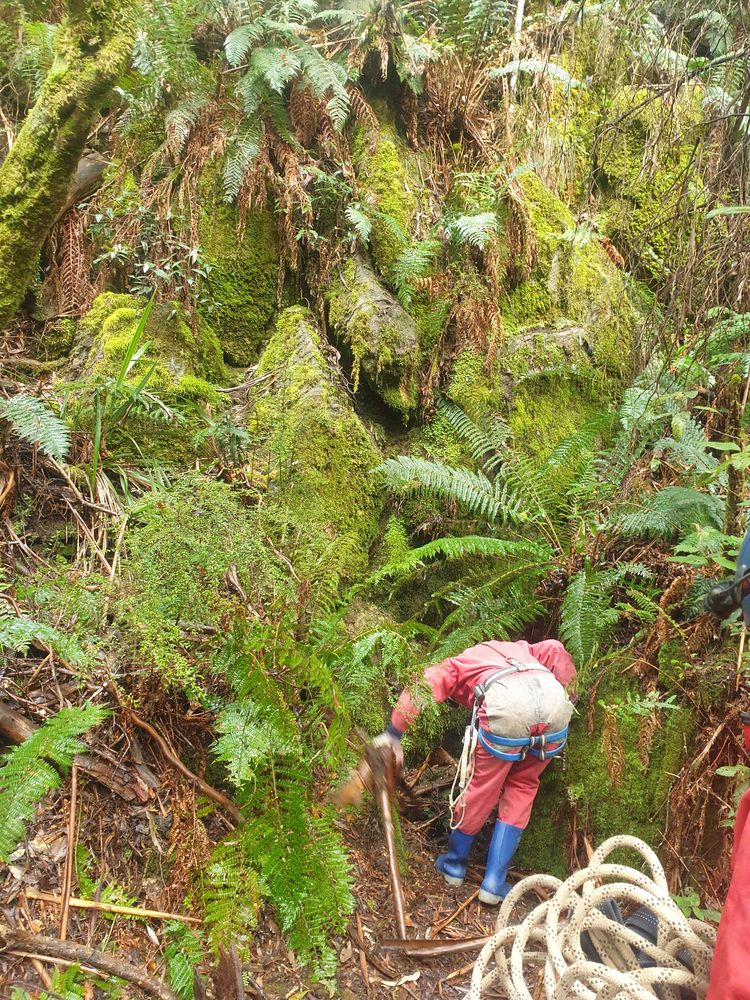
[[549, 938]]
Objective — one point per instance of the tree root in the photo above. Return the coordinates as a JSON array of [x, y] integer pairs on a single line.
[[17, 942]]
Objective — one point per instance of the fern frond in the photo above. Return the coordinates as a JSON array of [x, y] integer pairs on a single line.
[[415, 261], [451, 548], [276, 66], [34, 421], [670, 512], [424, 477], [587, 618], [238, 43], [552, 70], [476, 230], [359, 222], [20, 633], [244, 147], [30, 770], [327, 80], [184, 953], [485, 444]]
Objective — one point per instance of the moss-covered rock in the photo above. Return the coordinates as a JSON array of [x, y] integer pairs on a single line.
[[647, 165], [386, 173], [322, 497], [382, 337], [187, 361], [242, 277], [569, 327]]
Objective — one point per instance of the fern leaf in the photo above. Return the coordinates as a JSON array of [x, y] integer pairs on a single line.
[[20, 633], [476, 230], [276, 66], [485, 445], [34, 421], [244, 148], [670, 512], [462, 548], [238, 43], [421, 476], [415, 261], [587, 619], [30, 770], [552, 70], [359, 222]]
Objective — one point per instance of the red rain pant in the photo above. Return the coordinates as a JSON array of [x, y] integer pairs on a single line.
[[514, 784], [730, 970]]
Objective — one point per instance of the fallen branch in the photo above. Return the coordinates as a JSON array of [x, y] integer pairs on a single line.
[[95, 904], [16, 942], [175, 761], [449, 920], [67, 886]]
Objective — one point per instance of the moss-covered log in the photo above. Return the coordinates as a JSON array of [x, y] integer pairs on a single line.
[[92, 48]]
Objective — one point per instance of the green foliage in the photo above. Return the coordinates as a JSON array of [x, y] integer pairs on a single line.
[[184, 952], [19, 633], [32, 769], [538, 66], [670, 512], [587, 615], [176, 592], [34, 421]]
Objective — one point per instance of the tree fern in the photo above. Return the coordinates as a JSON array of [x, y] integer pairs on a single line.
[[31, 770], [34, 421]]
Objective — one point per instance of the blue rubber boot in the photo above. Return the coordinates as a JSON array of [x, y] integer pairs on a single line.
[[453, 864], [503, 846]]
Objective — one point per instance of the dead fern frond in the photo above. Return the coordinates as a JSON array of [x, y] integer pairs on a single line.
[[612, 749]]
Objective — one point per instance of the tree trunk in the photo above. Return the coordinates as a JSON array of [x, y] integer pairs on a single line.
[[93, 48]]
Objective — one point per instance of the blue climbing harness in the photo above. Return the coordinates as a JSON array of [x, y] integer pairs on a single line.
[[535, 745]]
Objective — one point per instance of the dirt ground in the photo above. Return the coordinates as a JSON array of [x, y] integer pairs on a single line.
[[130, 845]]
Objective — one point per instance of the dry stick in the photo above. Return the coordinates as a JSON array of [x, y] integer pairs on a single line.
[[67, 886], [212, 793], [95, 904], [89, 535], [458, 972], [743, 635], [16, 942], [449, 920], [363, 955]]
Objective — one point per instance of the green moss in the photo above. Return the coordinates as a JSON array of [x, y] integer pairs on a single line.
[[547, 409], [381, 336], [382, 165], [324, 496], [57, 341], [197, 390], [647, 166], [242, 280], [91, 49], [107, 330]]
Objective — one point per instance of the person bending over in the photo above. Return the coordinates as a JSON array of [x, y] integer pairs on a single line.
[[517, 693]]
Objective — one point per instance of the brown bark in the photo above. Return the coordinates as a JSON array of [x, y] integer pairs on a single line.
[[35, 945]]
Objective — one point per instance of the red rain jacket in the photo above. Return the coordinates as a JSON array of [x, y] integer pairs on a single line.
[[456, 677], [730, 970]]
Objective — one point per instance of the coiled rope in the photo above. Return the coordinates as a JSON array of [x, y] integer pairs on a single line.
[[550, 937]]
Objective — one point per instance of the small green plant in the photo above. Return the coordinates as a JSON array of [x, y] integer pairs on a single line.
[[35, 422], [740, 773], [690, 904], [32, 769]]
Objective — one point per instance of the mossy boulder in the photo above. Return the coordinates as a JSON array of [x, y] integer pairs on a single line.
[[241, 280], [187, 360], [387, 174], [569, 327], [647, 167], [322, 497], [381, 336]]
